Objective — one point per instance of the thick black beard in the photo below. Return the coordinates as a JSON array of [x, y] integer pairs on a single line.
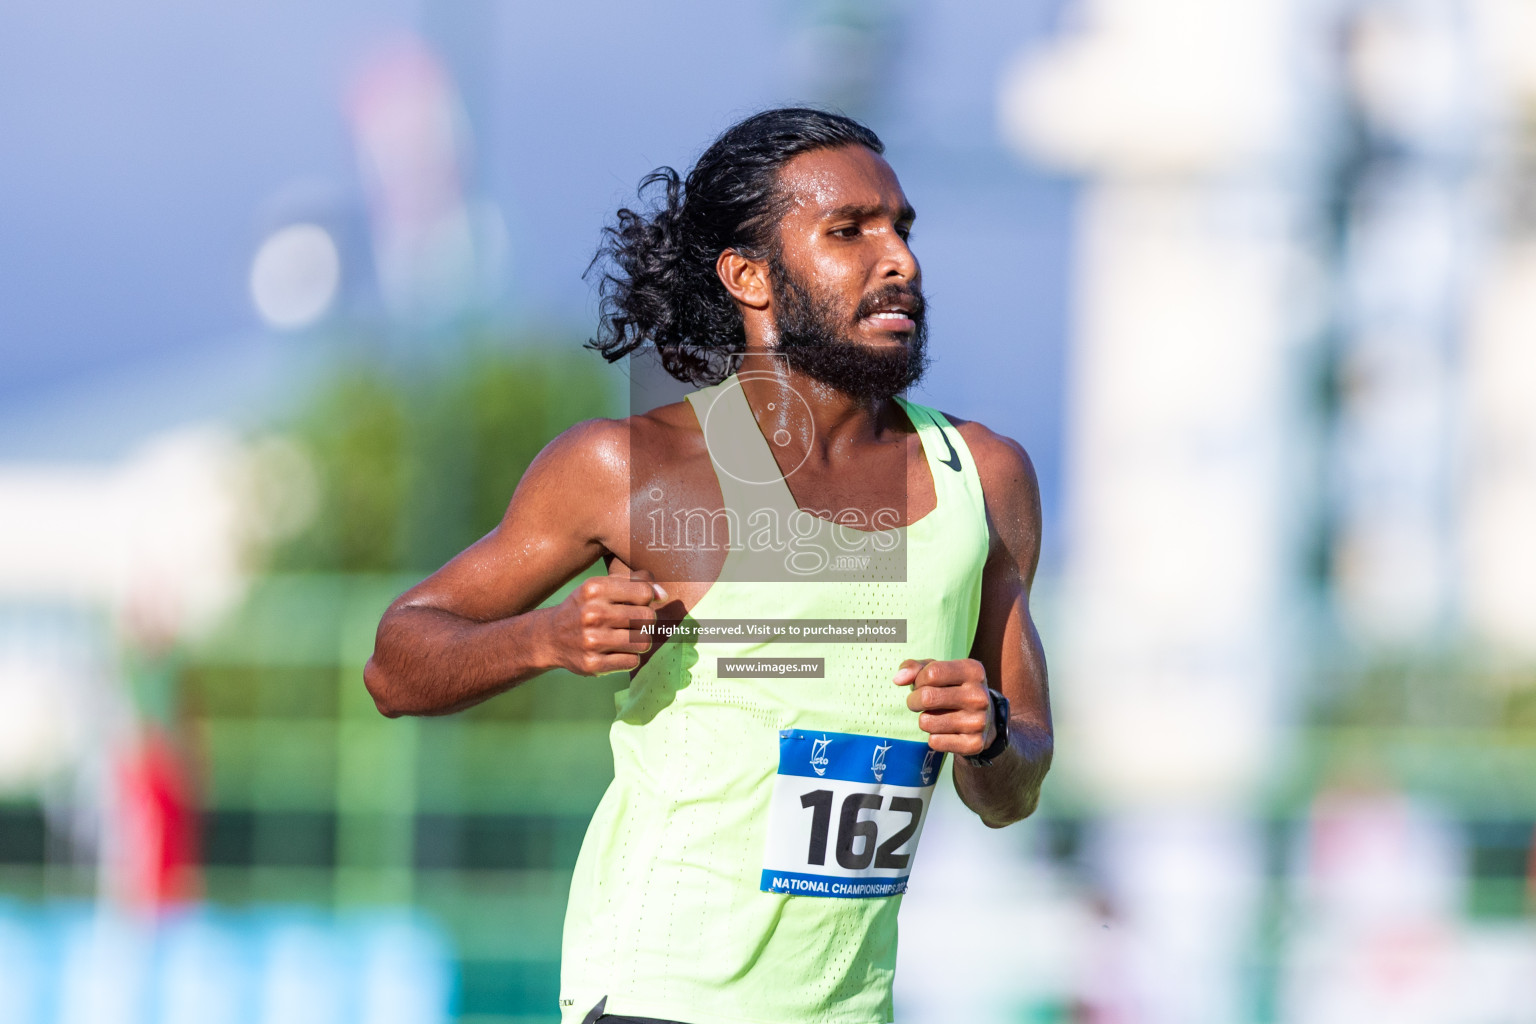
[[817, 343]]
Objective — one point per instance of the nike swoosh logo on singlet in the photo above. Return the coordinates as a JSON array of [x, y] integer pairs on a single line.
[[953, 462]]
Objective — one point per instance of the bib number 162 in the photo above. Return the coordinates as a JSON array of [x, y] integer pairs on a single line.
[[856, 845], [846, 814]]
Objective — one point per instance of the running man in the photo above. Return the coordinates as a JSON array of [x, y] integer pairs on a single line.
[[819, 590]]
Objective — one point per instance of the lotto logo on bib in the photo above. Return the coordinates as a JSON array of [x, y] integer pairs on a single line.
[[847, 813]]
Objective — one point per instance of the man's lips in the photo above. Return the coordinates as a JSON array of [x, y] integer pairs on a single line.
[[891, 310], [890, 320]]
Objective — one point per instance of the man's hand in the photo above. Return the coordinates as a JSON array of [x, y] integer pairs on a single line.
[[953, 703], [601, 626]]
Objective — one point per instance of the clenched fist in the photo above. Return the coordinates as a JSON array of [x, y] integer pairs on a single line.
[[601, 626], [952, 701]]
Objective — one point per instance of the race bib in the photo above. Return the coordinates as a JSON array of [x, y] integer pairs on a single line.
[[847, 813]]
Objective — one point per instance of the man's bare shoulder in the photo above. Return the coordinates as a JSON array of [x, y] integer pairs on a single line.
[[662, 440], [604, 453], [668, 432], [1010, 486], [1003, 464]]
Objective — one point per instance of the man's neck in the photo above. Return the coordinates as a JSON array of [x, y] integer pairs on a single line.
[[819, 419]]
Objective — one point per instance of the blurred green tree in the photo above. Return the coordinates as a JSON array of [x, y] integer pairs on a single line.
[[411, 467]]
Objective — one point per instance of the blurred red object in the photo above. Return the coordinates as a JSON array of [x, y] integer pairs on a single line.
[[158, 859]]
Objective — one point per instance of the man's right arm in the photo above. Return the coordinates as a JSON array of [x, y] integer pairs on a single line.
[[473, 629]]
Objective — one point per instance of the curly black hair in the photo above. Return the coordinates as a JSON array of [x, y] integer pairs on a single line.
[[658, 284]]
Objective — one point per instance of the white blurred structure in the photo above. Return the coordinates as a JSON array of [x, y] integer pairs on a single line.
[[149, 552], [1377, 930], [1497, 543], [50, 673], [151, 546], [1190, 308], [1182, 384], [1435, 451], [1130, 95], [1047, 933], [1500, 497], [1407, 243], [156, 538], [1274, 187]]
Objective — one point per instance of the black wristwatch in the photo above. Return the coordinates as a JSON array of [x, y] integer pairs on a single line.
[[1000, 722]]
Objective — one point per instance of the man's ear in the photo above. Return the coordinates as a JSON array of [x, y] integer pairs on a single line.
[[745, 279]]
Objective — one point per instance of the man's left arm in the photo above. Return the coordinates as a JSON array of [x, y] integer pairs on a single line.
[[951, 697]]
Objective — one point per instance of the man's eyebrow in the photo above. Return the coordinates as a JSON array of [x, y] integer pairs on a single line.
[[861, 212]]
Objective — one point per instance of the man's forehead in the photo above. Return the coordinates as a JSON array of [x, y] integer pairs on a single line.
[[848, 177]]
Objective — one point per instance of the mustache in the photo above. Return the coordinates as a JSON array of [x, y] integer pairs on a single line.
[[910, 297]]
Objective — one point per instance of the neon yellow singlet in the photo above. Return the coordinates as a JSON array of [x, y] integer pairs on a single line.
[[746, 864]]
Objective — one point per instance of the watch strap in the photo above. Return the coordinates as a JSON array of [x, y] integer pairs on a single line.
[[1000, 723]]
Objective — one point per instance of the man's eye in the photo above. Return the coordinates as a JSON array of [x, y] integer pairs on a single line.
[[848, 232]]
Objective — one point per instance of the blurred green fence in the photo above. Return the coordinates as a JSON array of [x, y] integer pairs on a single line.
[[312, 796]]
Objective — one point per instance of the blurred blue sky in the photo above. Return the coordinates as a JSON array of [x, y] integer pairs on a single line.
[[148, 149]]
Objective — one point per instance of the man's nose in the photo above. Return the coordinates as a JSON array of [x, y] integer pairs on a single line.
[[898, 263]]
